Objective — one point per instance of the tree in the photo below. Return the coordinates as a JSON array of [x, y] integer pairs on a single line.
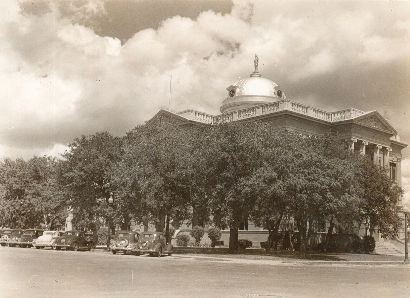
[[304, 178], [30, 196], [233, 161], [380, 196], [154, 173], [85, 176]]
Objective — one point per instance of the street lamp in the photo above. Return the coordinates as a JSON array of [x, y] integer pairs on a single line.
[[110, 202], [406, 249]]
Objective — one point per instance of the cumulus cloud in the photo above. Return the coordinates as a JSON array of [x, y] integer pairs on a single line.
[[406, 182], [63, 75]]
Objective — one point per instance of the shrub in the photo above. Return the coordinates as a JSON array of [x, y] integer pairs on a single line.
[[344, 243], [368, 244], [357, 245], [244, 243], [171, 233], [265, 245], [214, 234], [197, 233], [183, 240], [102, 234]]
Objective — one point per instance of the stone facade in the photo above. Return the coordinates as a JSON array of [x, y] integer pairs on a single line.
[[368, 132]]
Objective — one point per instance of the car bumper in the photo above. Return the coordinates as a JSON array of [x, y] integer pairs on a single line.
[[122, 249], [13, 243], [42, 245], [62, 246], [25, 243]]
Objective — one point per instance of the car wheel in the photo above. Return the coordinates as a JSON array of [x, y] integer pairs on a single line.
[[76, 247], [169, 254], [37, 247], [114, 252], [58, 248]]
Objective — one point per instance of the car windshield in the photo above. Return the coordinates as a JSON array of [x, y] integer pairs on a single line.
[[149, 236], [49, 233], [31, 233]]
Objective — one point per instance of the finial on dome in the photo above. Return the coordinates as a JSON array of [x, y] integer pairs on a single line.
[[256, 64]]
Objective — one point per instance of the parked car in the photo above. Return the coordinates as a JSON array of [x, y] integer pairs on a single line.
[[72, 240], [154, 244], [15, 237], [28, 236], [91, 238], [125, 242], [47, 239], [5, 236]]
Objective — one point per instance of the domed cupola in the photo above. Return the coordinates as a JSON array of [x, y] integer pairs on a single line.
[[251, 91]]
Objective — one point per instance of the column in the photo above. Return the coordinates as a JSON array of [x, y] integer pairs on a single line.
[[376, 158], [387, 157], [353, 141], [398, 171], [363, 147]]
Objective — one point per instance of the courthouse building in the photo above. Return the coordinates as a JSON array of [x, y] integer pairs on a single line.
[[258, 98]]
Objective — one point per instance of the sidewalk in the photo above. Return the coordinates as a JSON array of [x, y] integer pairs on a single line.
[[332, 259], [322, 259]]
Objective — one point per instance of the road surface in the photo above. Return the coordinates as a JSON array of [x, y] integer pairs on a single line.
[[47, 273]]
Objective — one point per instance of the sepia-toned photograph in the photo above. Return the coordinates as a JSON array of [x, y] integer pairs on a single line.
[[204, 148]]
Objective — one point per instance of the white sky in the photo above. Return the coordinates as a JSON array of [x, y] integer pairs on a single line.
[[76, 67]]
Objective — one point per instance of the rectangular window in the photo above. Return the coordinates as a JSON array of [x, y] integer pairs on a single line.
[[393, 175]]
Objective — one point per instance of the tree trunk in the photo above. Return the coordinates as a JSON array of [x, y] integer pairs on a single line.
[[167, 235], [145, 225], [125, 226], [111, 231], [329, 234], [303, 237], [233, 239], [160, 224], [275, 231]]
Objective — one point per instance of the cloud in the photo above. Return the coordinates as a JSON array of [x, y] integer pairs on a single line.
[[405, 172], [65, 74]]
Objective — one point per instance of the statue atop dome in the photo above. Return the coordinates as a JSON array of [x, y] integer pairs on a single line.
[[256, 64]]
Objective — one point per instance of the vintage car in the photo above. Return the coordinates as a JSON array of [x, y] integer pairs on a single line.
[[72, 240], [47, 239], [91, 238], [125, 242], [15, 237], [5, 236], [154, 244], [28, 236]]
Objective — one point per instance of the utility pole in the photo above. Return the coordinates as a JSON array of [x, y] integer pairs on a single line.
[[406, 249]]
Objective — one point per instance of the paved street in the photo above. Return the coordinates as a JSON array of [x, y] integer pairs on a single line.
[[47, 273]]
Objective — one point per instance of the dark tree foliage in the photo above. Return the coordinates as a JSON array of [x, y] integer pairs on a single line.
[[233, 160], [30, 195], [154, 174], [379, 198], [164, 172], [85, 176]]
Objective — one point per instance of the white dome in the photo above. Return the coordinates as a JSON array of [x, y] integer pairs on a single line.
[[251, 91]]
